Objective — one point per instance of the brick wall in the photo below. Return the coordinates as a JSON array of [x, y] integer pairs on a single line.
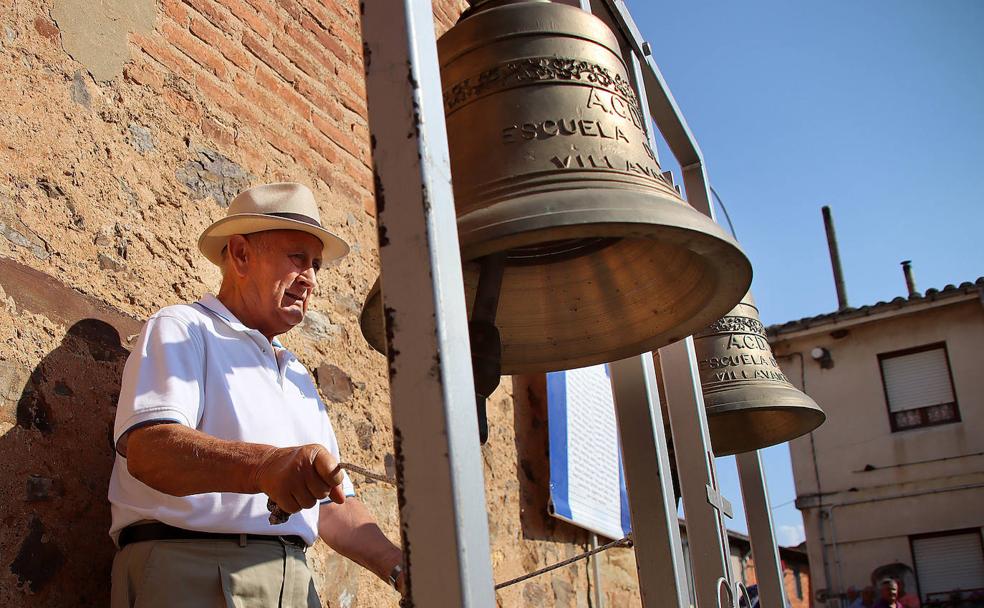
[[126, 127]]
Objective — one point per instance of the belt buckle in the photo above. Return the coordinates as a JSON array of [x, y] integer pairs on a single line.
[[242, 540]]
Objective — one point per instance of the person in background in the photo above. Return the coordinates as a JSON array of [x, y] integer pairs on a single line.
[[888, 594], [907, 599], [866, 599]]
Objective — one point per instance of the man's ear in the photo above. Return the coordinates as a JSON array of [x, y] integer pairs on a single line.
[[239, 254]]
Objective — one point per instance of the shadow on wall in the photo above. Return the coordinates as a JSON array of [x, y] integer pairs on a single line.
[[61, 456], [533, 464], [56, 460]]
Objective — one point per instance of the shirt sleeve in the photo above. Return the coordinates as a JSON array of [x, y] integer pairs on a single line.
[[163, 380]]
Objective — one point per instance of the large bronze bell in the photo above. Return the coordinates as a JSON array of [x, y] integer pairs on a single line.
[[750, 403], [553, 173]]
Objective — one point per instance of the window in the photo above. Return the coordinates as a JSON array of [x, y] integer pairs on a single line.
[[948, 563], [919, 387]]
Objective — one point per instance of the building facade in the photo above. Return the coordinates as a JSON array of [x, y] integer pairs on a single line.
[[892, 484]]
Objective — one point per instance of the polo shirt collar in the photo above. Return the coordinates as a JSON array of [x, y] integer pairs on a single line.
[[215, 306]]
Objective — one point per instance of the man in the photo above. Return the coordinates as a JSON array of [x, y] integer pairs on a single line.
[[888, 594], [215, 417]]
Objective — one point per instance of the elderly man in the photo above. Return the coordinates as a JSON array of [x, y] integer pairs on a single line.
[[216, 417], [888, 594]]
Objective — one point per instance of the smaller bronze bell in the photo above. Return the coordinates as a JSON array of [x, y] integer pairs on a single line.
[[750, 404]]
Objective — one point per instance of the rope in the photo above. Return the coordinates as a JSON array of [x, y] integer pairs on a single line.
[[354, 468], [622, 542]]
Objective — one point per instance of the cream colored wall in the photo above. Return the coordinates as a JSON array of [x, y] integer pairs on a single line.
[[865, 524]]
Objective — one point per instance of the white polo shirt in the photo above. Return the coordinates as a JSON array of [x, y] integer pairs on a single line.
[[197, 365]]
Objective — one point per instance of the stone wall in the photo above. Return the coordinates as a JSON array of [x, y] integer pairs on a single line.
[[126, 127]]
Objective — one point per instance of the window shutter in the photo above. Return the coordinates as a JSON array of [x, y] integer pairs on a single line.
[[948, 563], [917, 380]]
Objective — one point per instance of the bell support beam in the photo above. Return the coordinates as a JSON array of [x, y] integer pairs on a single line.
[[703, 505], [755, 495], [652, 506], [441, 493]]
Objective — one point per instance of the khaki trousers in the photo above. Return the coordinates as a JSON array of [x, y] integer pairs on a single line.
[[212, 573]]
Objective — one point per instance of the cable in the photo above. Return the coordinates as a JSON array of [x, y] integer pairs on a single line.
[[727, 215]]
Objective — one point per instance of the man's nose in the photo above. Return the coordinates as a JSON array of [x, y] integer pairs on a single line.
[[309, 278]]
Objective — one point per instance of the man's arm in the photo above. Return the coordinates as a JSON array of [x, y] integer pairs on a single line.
[[178, 460], [351, 530]]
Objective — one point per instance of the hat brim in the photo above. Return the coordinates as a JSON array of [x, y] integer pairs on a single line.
[[214, 239]]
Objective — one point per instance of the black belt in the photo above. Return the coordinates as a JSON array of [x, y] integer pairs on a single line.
[[158, 531]]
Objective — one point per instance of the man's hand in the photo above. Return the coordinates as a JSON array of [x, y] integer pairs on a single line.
[[299, 477], [180, 461]]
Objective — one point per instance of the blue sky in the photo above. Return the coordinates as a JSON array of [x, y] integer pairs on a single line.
[[875, 108]]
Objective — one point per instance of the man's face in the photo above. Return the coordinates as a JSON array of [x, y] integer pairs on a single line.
[[281, 276], [890, 592]]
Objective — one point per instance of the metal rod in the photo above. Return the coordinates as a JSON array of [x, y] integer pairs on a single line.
[[835, 260], [441, 490], [703, 507], [596, 572], [652, 506], [758, 513]]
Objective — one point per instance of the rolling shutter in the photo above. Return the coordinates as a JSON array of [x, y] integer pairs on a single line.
[[917, 380], [948, 563]]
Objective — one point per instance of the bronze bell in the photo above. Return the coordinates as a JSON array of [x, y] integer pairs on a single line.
[[750, 403], [553, 173]]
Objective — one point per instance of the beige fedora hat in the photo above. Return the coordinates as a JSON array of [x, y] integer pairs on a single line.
[[283, 206]]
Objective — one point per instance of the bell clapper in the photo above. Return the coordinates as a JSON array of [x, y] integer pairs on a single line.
[[486, 346]]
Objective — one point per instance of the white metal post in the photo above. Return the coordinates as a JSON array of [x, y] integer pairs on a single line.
[[755, 495], [441, 490], [655, 529], [703, 505]]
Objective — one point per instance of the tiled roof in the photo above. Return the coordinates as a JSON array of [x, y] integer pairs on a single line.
[[931, 295]]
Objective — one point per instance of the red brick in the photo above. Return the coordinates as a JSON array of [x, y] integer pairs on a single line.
[[223, 100], [315, 93], [210, 11], [353, 42], [165, 55], [218, 132], [281, 143], [326, 40], [273, 60], [248, 16], [356, 81], [185, 108], [308, 41], [286, 94], [261, 99], [46, 28], [175, 9], [296, 56], [211, 36], [317, 142], [293, 8], [355, 104], [193, 48], [142, 73], [268, 10], [344, 140]]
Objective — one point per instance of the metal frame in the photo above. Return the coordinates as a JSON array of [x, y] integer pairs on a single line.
[[706, 532], [441, 489], [652, 506], [755, 494]]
